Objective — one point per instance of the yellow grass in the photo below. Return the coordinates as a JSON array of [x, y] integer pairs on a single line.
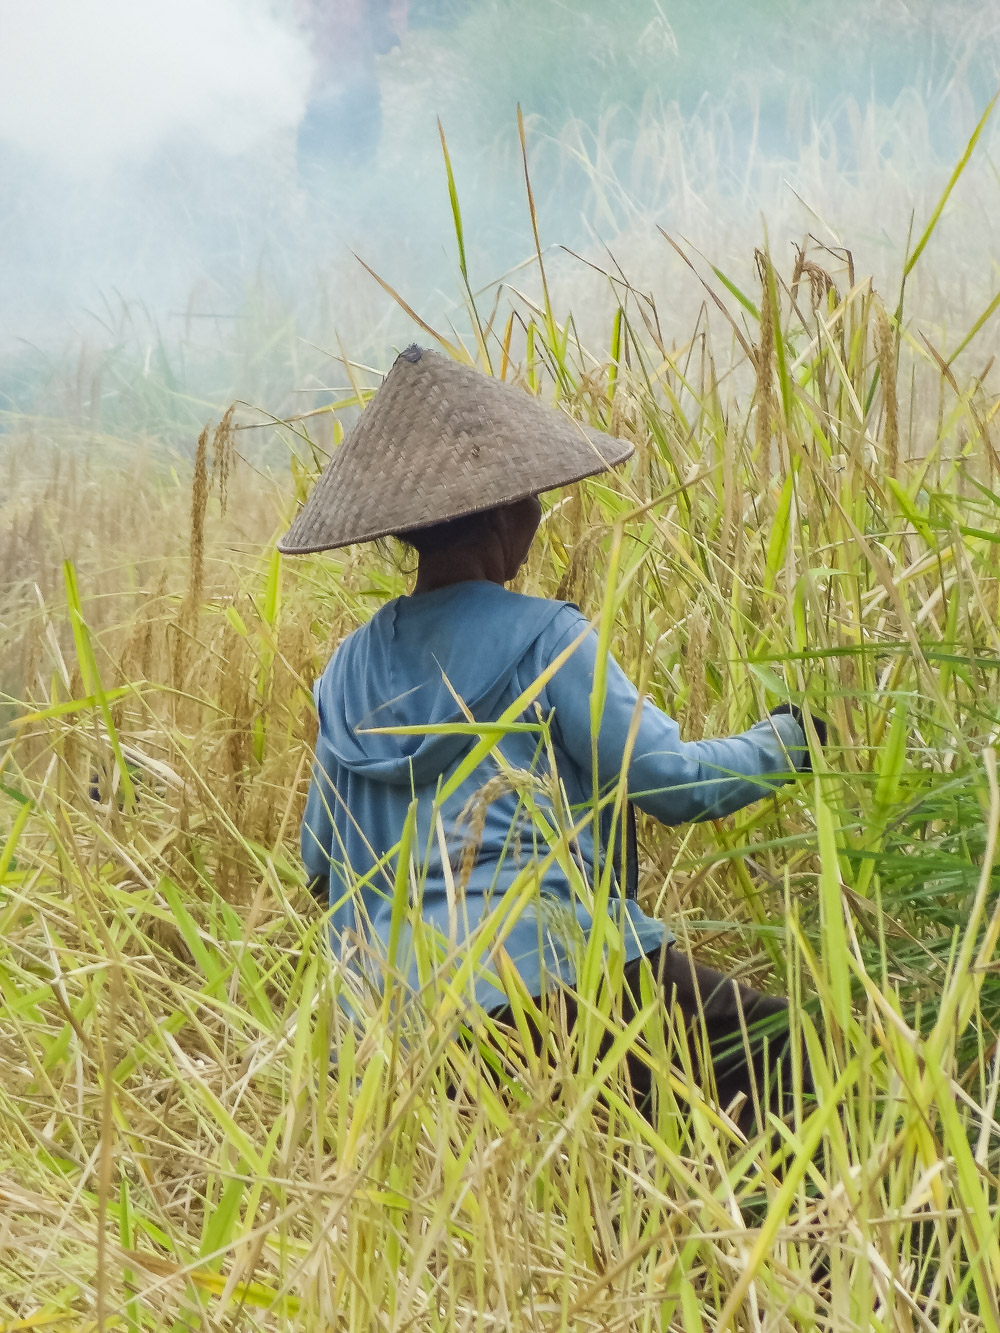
[[194, 1135]]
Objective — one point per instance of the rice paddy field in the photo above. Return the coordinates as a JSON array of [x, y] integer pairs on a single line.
[[194, 1137]]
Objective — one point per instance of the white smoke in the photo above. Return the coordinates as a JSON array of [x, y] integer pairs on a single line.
[[152, 179], [89, 85]]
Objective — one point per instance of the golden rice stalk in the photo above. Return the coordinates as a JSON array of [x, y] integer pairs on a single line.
[[820, 281], [764, 358], [199, 501], [473, 820], [188, 616], [223, 456], [885, 353]]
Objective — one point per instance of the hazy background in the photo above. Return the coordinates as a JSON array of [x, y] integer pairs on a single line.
[[184, 183]]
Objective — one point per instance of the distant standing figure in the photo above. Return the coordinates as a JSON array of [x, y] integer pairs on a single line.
[[343, 120]]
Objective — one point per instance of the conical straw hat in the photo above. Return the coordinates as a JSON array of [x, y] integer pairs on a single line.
[[439, 440]]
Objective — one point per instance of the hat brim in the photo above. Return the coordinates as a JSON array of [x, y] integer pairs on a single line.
[[438, 441]]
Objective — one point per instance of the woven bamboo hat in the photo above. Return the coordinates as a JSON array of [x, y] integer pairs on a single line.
[[439, 440]]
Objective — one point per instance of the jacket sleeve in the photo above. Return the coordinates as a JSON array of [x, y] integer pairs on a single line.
[[670, 779]]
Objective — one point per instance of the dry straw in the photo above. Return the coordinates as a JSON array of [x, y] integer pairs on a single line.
[[429, 1184], [696, 657]]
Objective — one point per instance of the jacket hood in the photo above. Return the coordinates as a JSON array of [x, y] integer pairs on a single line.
[[407, 664]]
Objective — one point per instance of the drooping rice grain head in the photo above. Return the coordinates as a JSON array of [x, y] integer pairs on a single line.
[[885, 351], [223, 456], [765, 397], [196, 548]]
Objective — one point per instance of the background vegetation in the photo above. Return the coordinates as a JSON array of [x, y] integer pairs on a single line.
[[195, 1136], [793, 60], [143, 302]]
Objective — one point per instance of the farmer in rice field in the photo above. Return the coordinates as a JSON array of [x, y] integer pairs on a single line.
[[343, 119], [452, 462]]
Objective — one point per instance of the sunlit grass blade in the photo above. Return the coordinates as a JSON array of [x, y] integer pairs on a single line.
[[913, 255]]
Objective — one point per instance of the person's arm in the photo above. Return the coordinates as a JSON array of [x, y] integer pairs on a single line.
[[670, 779]]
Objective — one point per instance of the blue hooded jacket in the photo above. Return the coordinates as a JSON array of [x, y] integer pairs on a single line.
[[475, 648]]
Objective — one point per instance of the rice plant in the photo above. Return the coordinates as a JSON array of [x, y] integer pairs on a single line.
[[196, 1134]]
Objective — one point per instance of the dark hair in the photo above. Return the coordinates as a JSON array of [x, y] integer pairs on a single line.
[[439, 536]]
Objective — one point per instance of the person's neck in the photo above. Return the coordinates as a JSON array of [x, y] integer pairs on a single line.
[[440, 569]]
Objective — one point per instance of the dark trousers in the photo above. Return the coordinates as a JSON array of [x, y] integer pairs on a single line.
[[738, 1037]]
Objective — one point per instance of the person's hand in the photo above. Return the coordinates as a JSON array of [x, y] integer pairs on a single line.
[[793, 710]]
